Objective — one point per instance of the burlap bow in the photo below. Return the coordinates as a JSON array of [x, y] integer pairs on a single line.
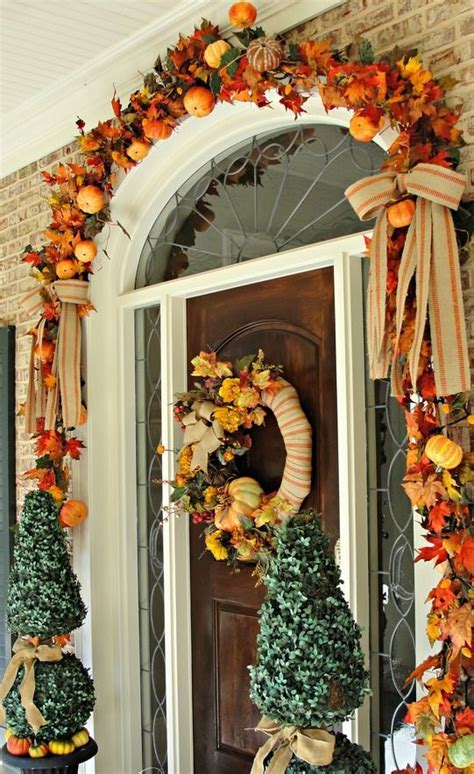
[[67, 357], [430, 251], [201, 430], [313, 745], [25, 654]]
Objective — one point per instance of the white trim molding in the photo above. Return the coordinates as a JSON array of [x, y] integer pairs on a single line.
[[45, 123]]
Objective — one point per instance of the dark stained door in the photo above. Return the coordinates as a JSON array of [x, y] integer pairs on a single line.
[[292, 320]]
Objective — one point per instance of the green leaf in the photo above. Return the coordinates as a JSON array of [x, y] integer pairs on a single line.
[[215, 82], [229, 60], [209, 39], [293, 52], [177, 494], [366, 52], [44, 462], [244, 363]]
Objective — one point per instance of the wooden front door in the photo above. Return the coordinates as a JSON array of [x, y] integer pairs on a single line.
[[292, 320]]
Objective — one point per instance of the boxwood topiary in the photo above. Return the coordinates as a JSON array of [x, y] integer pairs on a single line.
[[64, 693]]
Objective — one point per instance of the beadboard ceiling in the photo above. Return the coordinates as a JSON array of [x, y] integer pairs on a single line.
[[61, 58]]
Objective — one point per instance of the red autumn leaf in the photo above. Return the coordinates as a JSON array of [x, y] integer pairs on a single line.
[[73, 448], [437, 515], [442, 596], [32, 257], [466, 554], [116, 105], [427, 385], [465, 721], [48, 481], [436, 551]]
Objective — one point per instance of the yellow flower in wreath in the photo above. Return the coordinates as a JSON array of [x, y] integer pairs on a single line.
[[210, 496], [229, 418], [214, 545], [248, 398], [229, 390], [184, 462]]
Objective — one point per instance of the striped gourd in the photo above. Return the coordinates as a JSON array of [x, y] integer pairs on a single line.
[[264, 54]]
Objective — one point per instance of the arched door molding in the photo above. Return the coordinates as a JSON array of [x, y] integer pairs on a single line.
[[105, 548]]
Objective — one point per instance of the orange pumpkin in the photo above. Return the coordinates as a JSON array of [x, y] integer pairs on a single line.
[[38, 750], [66, 268], [137, 150], [199, 101], [245, 495], [73, 513], [443, 452], [214, 52], [16, 745], [264, 54], [85, 250], [363, 128], [156, 129], [401, 214], [90, 199], [45, 350], [242, 15]]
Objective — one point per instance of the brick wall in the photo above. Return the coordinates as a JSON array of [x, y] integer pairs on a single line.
[[443, 31]]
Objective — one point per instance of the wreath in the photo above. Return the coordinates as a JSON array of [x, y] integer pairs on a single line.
[[217, 417]]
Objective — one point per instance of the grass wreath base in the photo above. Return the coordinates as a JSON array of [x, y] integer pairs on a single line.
[[349, 758], [51, 764]]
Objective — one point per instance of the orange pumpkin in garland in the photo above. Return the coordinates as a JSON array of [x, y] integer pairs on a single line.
[[363, 128], [73, 513], [264, 54], [242, 15], [199, 101], [444, 452], [214, 52], [90, 199], [245, 495], [401, 214]]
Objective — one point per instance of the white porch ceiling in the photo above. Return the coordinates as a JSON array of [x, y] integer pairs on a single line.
[[63, 58]]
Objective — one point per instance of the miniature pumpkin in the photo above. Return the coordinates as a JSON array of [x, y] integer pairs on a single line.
[[461, 753], [66, 268], [242, 15], [73, 513], [17, 745], [44, 351], [85, 250], [264, 54], [443, 452], [38, 750], [90, 199], [245, 495], [199, 101], [80, 738], [214, 52], [363, 128], [401, 214], [137, 150], [61, 746], [156, 129]]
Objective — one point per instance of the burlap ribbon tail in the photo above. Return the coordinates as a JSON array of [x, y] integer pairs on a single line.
[[313, 745], [431, 252], [201, 430], [67, 357], [25, 654]]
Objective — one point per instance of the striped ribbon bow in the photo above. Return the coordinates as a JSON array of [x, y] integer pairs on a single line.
[[67, 356], [431, 252]]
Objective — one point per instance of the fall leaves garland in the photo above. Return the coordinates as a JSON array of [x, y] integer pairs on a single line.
[[200, 71]]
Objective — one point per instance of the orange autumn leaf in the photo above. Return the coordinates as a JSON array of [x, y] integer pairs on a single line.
[[458, 627], [466, 554], [437, 752], [436, 689], [429, 663], [421, 716], [422, 492], [465, 721]]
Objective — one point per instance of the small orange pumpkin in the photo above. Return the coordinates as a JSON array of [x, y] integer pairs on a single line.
[[199, 101], [363, 128], [17, 745], [242, 15], [214, 52], [264, 54], [73, 513], [156, 129], [66, 268], [245, 495], [444, 452], [38, 750], [45, 350], [137, 150], [90, 199], [85, 250], [401, 213]]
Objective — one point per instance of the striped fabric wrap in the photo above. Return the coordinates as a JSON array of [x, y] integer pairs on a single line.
[[67, 356], [297, 435], [430, 253]]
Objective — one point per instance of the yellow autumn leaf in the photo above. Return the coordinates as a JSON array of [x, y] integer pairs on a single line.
[[433, 627], [436, 688], [451, 486], [409, 68]]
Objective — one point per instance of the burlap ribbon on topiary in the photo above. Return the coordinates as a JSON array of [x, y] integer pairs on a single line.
[[201, 430], [431, 252], [25, 654], [67, 357], [313, 745]]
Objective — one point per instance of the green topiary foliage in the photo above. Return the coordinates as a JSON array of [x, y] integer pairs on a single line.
[[44, 593], [310, 666], [64, 694]]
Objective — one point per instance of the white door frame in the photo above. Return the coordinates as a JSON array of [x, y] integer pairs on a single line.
[[105, 546]]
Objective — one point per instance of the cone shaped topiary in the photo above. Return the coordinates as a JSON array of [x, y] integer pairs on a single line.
[[43, 602], [44, 594], [310, 667]]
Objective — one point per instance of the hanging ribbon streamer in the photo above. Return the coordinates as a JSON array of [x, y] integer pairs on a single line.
[[67, 356], [24, 655], [431, 253], [312, 745], [201, 430]]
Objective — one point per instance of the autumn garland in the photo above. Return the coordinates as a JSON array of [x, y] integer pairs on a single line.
[[201, 70]]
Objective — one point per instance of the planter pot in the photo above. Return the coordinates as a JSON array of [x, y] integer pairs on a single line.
[[51, 764]]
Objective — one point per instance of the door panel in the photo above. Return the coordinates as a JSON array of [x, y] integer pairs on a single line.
[[292, 320]]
